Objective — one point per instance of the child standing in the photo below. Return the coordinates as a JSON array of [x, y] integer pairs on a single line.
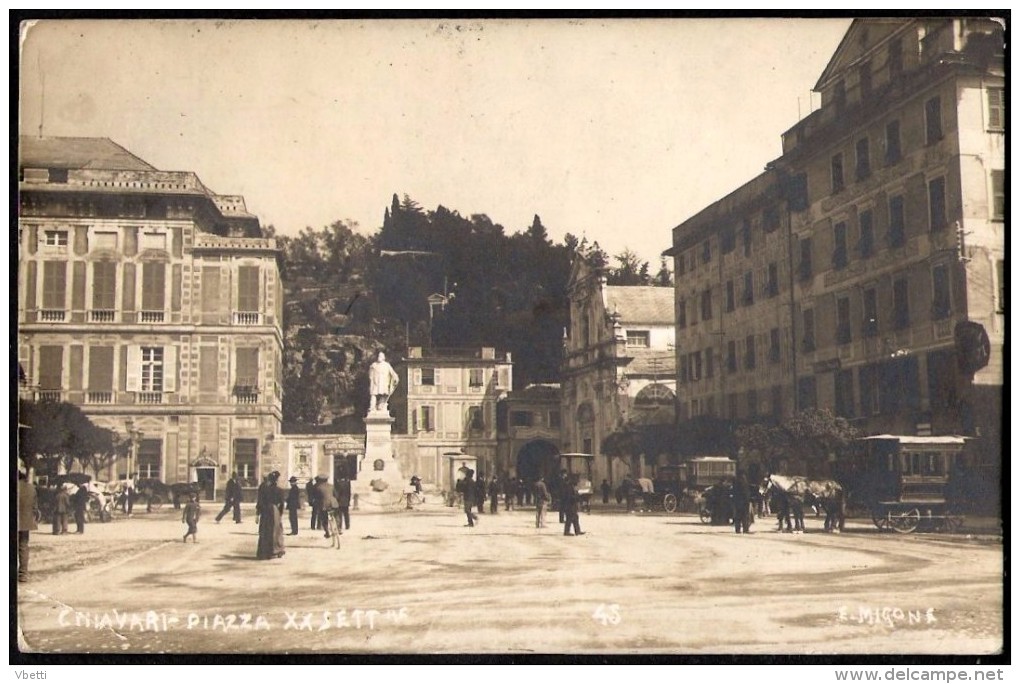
[[192, 511]]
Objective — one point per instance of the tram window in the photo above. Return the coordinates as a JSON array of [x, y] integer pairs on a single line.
[[936, 463], [915, 462]]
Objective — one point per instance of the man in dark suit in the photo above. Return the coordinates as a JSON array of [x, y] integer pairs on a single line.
[[293, 506], [80, 504], [569, 507], [232, 499], [313, 503], [61, 508], [342, 490]]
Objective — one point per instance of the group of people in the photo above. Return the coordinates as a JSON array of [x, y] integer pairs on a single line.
[[70, 500], [324, 500], [564, 493]]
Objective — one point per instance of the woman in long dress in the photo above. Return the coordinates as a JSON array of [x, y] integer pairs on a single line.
[[270, 506]]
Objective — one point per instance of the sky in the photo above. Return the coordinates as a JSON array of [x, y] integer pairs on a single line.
[[612, 129]]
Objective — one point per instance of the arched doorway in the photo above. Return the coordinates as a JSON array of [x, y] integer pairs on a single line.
[[538, 457]]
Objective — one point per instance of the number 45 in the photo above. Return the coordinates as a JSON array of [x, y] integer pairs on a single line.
[[607, 615]]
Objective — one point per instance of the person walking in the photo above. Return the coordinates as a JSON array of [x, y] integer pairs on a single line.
[[61, 507], [541, 502], [343, 499], [28, 507], [129, 493], [293, 506], [232, 499], [741, 498], [258, 498], [270, 506], [479, 494], [312, 502], [605, 491], [559, 496], [494, 496], [467, 487], [80, 504], [569, 506], [190, 516], [327, 502], [510, 485]]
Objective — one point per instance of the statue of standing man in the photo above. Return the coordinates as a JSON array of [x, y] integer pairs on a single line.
[[382, 381]]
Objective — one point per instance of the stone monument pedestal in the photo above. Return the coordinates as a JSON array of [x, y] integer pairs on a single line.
[[380, 483]]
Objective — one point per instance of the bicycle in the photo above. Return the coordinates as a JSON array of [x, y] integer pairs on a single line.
[[333, 527]]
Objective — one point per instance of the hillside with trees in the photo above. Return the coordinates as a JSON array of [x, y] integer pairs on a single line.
[[348, 295]]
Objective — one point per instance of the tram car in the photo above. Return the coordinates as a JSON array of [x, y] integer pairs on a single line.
[[907, 482]]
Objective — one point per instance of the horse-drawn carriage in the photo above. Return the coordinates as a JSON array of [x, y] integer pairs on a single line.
[[708, 481], [907, 482], [100, 502]]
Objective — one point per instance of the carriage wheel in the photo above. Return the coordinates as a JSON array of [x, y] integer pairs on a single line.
[[706, 515], [669, 503], [952, 522], [156, 501], [881, 520], [905, 522]]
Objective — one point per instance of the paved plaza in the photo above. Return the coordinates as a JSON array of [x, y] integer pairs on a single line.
[[420, 582]]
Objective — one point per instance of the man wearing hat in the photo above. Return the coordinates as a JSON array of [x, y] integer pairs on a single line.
[[232, 499], [293, 505], [326, 500], [61, 508], [312, 501]]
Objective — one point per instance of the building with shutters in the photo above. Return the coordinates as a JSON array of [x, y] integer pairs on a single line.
[[451, 408], [890, 248], [618, 369], [733, 303], [152, 303], [528, 425]]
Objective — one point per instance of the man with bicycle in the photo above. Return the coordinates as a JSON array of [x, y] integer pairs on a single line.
[[327, 502]]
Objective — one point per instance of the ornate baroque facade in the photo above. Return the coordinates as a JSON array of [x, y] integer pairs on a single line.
[[618, 361]]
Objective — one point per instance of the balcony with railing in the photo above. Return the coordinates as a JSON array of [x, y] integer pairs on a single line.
[[246, 394], [247, 318], [49, 395], [99, 397], [153, 316], [102, 315], [149, 397], [52, 315]]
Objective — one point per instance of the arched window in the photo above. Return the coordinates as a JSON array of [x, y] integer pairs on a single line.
[[655, 395]]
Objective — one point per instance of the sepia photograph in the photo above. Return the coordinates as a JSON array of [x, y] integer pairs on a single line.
[[595, 338]]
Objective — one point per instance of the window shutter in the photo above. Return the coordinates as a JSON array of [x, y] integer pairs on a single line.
[[134, 368], [170, 369], [417, 376], [100, 369], [414, 420]]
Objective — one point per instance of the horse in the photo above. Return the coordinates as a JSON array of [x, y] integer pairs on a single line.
[[796, 492]]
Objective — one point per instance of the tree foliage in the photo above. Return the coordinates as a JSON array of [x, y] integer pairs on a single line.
[[805, 439], [59, 433], [348, 295]]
